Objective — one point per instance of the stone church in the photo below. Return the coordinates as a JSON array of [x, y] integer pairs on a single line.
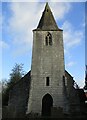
[[48, 89]]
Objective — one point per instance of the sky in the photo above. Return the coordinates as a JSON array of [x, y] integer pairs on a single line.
[[20, 18], [86, 33]]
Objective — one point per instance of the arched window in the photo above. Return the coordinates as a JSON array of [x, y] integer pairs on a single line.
[[48, 39]]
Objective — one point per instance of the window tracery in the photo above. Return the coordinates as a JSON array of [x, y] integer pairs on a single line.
[[48, 39]]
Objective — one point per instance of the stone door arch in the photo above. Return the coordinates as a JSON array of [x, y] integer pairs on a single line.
[[47, 103]]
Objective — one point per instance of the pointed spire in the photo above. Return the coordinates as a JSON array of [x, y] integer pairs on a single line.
[[47, 7], [47, 21]]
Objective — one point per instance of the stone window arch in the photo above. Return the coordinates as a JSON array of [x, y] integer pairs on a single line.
[[48, 39]]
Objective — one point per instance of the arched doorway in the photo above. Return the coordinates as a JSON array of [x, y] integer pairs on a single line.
[[47, 103]]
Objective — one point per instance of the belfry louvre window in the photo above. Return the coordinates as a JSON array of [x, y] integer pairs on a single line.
[[47, 81], [48, 39]]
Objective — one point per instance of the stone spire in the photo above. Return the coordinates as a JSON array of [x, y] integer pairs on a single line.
[[47, 21]]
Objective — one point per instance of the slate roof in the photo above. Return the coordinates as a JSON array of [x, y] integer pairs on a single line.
[[47, 21]]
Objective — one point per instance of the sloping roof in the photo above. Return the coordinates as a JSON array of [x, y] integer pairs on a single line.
[[68, 73], [24, 78], [47, 21]]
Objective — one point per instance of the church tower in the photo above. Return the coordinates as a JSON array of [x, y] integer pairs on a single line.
[[47, 69]]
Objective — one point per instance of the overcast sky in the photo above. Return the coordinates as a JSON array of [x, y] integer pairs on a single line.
[[20, 18]]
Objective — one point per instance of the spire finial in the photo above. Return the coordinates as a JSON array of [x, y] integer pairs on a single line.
[[46, 3], [47, 7]]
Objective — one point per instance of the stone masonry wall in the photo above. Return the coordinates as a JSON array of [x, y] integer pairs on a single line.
[[72, 94], [18, 97], [47, 61]]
